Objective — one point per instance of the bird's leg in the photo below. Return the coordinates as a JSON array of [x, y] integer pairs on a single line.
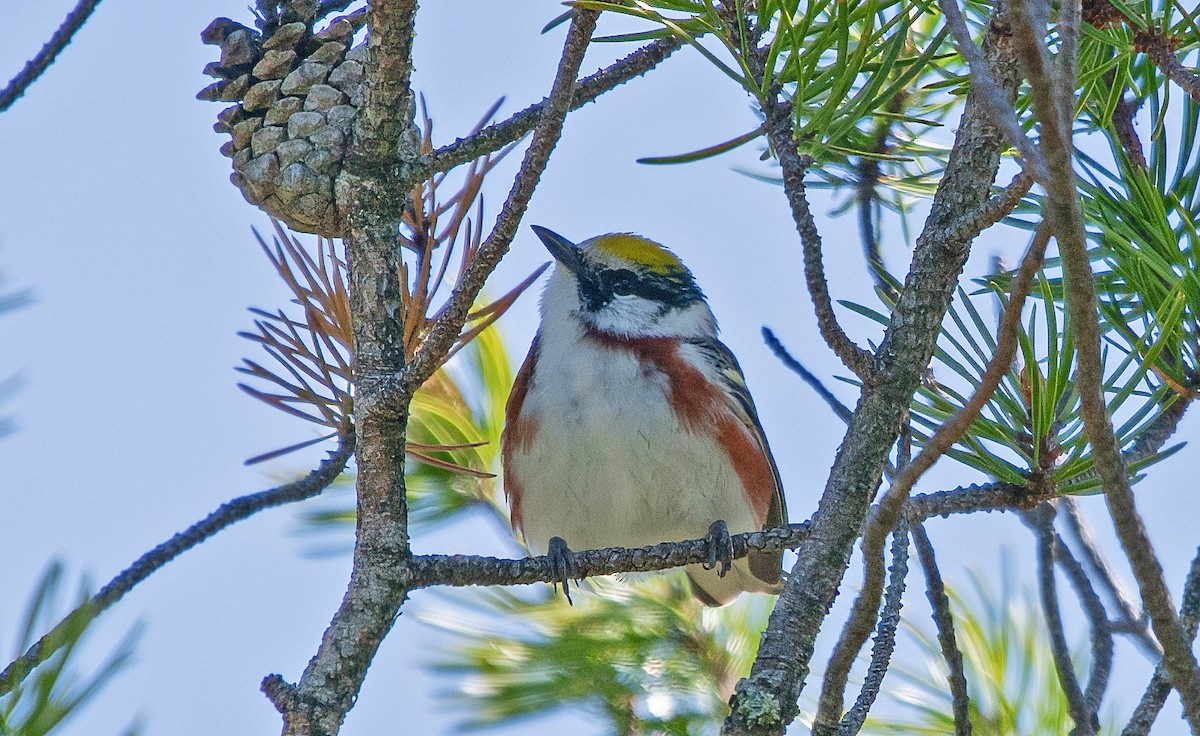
[[562, 565], [720, 548]]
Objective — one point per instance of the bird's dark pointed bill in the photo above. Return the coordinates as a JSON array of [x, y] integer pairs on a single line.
[[563, 250]]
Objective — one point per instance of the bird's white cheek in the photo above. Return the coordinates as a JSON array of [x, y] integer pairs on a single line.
[[626, 315], [637, 317]]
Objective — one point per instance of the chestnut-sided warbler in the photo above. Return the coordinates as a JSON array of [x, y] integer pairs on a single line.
[[630, 424]]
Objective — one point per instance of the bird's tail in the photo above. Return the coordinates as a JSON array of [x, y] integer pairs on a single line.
[[758, 572]]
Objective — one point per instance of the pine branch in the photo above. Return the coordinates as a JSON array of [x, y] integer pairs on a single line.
[[766, 701], [227, 514], [1054, 111], [793, 165]]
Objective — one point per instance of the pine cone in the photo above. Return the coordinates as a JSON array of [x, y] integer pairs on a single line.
[[296, 93]]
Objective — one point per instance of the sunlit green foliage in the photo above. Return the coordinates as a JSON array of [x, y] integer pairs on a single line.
[[1031, 427], [842, 66], [1145, 220], [1011, 679], [643, 655]]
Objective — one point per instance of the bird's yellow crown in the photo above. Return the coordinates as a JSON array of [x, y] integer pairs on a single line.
[[639, 251]]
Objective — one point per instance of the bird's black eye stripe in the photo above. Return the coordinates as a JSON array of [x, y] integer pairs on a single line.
[[599, 288], [621, 281]]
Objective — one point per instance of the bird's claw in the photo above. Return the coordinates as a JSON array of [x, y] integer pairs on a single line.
[[562, 565], [720, 548]]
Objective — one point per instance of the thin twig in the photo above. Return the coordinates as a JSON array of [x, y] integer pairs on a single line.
[[793, 166], [904, 444], [1000, 111], [973, 499], [1122, 120], [995, 209], [36, 66], [497, 135], [885, 636], [468, 570], [855, 630], [1160, 687], [867, 199], [786, 358], [1069, 16], [452, 316], [1132, 620], [1101, 631], [1042, 521], [227, 514], [935, 591]]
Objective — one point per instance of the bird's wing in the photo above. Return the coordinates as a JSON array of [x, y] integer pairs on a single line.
[[733, 384]]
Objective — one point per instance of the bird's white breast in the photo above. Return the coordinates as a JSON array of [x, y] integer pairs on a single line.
[[609, 464]]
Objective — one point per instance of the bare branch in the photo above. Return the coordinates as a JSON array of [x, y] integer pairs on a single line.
[[793, 165], [994, 100], [1132, 619], [935, 591], [1160, 687], [1069, 16], [1042, 521], [815, 383], [227, 514], [868, 197], [496, 136], [854, 635], [1101, 630], [452, 316], [973, 498], [885, 636], [996, 208], [36, 66], [1159, 50], [1122, 119], [466, 570]]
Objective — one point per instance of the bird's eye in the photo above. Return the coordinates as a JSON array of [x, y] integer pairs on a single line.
[[622, 282]]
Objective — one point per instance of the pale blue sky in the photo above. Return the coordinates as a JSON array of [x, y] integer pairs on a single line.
[[116, 212]]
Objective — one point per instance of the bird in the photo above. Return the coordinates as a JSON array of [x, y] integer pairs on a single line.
[[629, 423]]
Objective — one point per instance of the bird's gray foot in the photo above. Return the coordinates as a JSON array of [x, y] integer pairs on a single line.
[[720, 548], [562, 565]]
